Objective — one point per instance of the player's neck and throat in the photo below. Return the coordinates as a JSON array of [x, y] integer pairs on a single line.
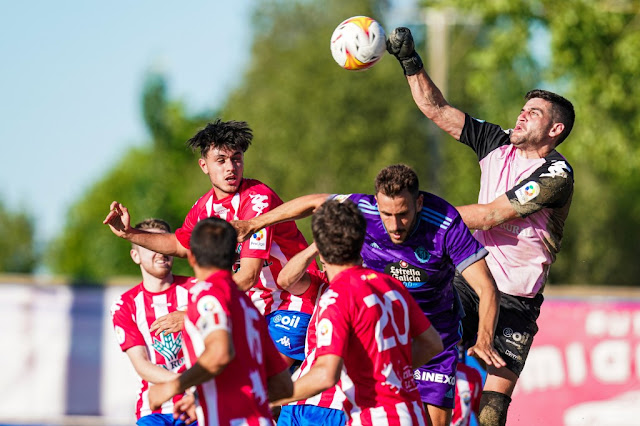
[[156, 284], [333, 270]]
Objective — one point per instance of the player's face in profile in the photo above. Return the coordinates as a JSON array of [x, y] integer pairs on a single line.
[[398, 214], [156, 264], [224, 168], [533, 123]]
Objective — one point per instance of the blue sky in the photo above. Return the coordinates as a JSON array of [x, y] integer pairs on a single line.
[[71, 79], [71, 76]]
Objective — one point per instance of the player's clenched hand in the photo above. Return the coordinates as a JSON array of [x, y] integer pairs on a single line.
[[484, 350], [185, 409], [244, 228], [160, 393], [170, 323], [401, 45], [118, 219]]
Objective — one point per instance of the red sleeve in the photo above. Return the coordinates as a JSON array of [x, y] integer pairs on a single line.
[[274, 364], [183, 234], [332, 330], [126, 330], [259, 199], [475, 380]]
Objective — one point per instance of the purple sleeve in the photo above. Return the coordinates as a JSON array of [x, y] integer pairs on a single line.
[[464, 250]]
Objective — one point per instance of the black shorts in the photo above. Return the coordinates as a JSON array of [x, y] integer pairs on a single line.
[[516, 323]]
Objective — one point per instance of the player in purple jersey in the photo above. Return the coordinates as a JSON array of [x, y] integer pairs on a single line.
[[419, 239], [525, 194]]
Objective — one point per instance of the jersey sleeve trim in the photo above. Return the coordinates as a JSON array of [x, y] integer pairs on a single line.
[[480, 254]]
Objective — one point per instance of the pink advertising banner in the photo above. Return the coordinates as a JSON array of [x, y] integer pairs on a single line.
[[584, 366]]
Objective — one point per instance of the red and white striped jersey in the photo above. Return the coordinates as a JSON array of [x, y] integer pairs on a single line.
[[333, 397], [132, 315], [368, 319], [238, 395], [468, 393], [275, 244]]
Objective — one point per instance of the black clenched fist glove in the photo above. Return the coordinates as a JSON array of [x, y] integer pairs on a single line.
[[400, 44]]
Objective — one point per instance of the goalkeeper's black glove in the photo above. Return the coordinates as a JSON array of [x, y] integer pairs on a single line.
[[400, 44]]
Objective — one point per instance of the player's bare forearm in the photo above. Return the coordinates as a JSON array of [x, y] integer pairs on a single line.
[[323, 375], [425, 346], [434, 106], [280, 386], [297, 208], [294, 277], [480, 279], [249, 273], [145, 368], [487, 216]]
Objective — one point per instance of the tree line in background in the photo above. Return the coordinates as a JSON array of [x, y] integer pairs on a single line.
[[319, 128]]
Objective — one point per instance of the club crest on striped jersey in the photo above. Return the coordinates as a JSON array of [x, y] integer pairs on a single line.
[[169, 346]]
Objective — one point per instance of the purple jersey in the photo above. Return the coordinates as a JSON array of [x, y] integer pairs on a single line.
[[427, 260]]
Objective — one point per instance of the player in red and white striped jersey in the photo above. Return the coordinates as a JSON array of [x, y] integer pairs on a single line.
[[232, 361], [222, 146], [326, 407], [468, 392], [369, 326], [156, 357]]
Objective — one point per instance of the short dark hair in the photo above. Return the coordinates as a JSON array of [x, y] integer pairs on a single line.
[[153, 223], [561, 110], [213, 243], [338, 230], [393, 180], [231, 135]]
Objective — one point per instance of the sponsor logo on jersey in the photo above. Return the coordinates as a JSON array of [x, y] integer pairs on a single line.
[[284, 341], [410, 276], [324, 331], [286, 321], [258, 241], [517, 230], [375, 245], [212, 316], [120, 335], [478, 120], [557, 168], [422, 254], [258, 203], [528, 192], [169, 346], [428, 376]]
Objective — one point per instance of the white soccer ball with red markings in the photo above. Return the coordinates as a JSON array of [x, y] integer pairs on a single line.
[[358, 43]]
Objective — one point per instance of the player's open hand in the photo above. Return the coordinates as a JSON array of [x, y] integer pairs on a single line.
[[170, 323], [160, 393], [484, 350], [118, 219], [185, 409], [244, 229]]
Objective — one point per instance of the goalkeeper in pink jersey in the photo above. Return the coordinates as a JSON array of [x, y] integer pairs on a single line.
[[526, 188]]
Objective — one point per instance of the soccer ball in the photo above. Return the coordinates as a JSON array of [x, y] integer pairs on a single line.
[[358, 43]]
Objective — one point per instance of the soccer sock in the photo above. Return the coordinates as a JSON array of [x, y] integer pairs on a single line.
[[493, 409]]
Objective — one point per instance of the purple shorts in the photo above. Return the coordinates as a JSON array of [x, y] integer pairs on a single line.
[[436, 379]]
